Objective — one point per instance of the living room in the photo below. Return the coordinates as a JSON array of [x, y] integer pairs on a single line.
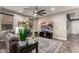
[[47, 26]]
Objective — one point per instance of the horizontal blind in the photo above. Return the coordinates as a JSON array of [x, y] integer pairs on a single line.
[[7, 19]]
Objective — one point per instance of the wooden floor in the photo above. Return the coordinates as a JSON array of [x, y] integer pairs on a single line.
[[2, 45], [71, 45]]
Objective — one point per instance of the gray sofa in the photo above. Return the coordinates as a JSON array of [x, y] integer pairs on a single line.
[[7, 40]]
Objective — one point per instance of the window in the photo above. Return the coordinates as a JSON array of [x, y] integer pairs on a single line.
[[7, 22]]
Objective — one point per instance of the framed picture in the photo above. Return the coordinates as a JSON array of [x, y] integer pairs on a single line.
[[29, 23], [47, 26]]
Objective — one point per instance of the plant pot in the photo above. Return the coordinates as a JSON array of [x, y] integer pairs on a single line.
[[23, 43]]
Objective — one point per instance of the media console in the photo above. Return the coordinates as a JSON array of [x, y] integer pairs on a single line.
[[46, 34]]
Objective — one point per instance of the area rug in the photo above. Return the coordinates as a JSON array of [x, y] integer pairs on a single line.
[[48, 45]]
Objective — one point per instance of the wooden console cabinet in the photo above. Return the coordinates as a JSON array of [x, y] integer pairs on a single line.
[[46, 34]]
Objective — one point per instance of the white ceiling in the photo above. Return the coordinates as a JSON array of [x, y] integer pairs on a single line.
[[47, 9]]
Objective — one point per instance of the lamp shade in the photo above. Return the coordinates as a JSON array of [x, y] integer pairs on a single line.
[[17, 30]]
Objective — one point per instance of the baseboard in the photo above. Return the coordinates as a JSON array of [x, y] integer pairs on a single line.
[[59, 39]]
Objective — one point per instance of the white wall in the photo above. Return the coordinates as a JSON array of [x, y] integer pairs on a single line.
[[59, 25], [69, 29], [1, 16]]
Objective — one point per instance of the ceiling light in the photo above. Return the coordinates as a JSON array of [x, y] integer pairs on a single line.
[[36, 11], [52, 8], [35, 15], [76, 13]]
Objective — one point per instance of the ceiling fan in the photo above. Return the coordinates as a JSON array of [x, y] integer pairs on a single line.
[[36, 11]]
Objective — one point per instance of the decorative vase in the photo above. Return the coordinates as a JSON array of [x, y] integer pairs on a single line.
[[22, 43]]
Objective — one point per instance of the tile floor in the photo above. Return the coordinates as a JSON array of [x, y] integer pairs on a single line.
[[69, 46]]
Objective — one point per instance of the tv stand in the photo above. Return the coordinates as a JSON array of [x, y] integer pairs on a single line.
[[46, 34]]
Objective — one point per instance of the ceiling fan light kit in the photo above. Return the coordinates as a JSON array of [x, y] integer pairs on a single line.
[[52, 8]]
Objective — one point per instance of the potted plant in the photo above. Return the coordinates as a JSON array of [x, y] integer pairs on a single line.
[[23, 33]]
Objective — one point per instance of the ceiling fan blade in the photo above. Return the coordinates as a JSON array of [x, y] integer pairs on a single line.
[[41, 11], [26, 9], [40, 14]]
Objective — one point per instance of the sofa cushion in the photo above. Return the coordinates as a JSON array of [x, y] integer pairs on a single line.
[[11, 35]]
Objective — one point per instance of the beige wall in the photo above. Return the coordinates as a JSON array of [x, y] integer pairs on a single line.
[[59, 25], [18, 18]]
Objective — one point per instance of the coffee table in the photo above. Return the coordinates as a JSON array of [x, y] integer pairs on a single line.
[[26, 49]]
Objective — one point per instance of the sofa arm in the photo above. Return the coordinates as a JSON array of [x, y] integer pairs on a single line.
[[13, 44]]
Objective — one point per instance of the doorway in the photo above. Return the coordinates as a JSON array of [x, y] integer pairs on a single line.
[[73, 26]]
